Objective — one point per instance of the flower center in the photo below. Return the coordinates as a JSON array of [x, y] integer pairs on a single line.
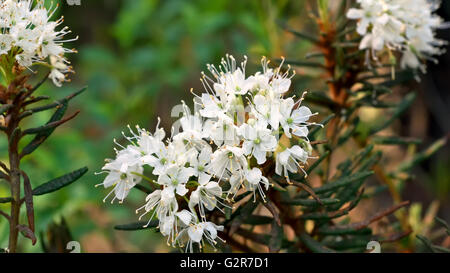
[[289, 121], [257, 141], [123, 176]]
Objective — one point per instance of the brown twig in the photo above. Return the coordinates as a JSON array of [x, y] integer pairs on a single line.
[[378, 216], [5, 215]]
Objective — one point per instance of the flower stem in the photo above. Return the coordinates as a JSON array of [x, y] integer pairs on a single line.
[[14, 162]]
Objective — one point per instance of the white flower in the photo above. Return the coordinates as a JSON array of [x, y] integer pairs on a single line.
[[403, 25], [26, 27], [121, 175], [255, 179], [295, 120], [174, 180], [200, 161], [197, 233], [165, 208], [287, 161], [222, 132], [206, 195], [230, 159], [216, 147], [5, 43], [258, 140], [231, 80]]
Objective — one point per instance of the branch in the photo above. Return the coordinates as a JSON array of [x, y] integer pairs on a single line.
[[31, 91], [5, 215], [378, 216], [49, 126], [271, 207], [4, 176]]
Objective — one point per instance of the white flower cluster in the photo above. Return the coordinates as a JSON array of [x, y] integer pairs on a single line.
[[220, 151], [407, 26], [28, 37]]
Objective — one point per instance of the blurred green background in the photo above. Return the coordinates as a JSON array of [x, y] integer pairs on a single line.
[[139, 58]]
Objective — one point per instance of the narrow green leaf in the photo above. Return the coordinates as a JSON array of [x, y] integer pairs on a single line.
[[276, 238], [298, 34], [340, 182], [305, 64], [5, 107], [5, 200], [426, 243], [311, 202], [422, 156], [442, 222], [49, 126], [441, 249], [314, 55], [401, 108], [43, 135], [29, 202], [351, 243], [395, 140], [256, 220], [300, 177], [313, 245], [239, 216], [336, 230], [324, 122], [137, 226], [60, 182], [52, 105]]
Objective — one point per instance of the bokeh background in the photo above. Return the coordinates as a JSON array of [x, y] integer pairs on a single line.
[[139, 58]]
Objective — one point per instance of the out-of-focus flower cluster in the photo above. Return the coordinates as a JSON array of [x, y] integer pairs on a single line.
[[28, 36], [407, 26], [240, 125]]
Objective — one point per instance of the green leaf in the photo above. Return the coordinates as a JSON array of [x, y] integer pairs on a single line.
[[276, 238], [52, 105], [299, 34], [314, 55], [401, 108], [137, 226], [313, 245], [242, 213], [444, 224], [420, 157], [322, 99], [350, 243], [60, 182], [43, 135], [336, 230], [349, 132], [341, 182], [324, 122], [426, 243], [49, 126], [256, 220], [29, 203], [300, 177], [5, 200], [305, 64], [319, 216], [5, 107], [311, 202], [395, 140]]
